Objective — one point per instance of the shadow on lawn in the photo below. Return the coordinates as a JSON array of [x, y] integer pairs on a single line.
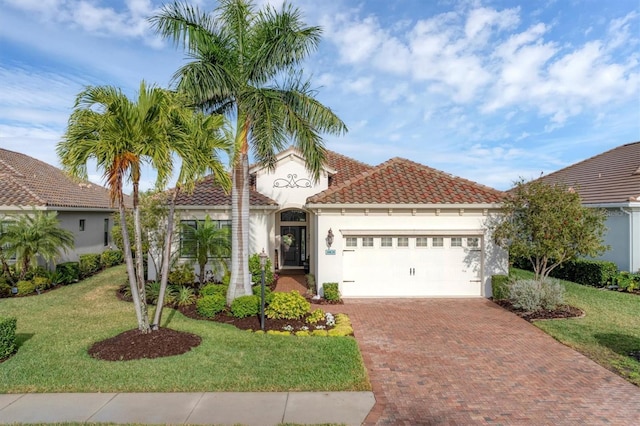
[[622, 344], [21, 338]]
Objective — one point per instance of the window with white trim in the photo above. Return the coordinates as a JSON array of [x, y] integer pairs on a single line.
[[473, 242], [403, 242], [456, 241], [386, 242], [367, 241], [437, 242], [422, 242], [352, 242]]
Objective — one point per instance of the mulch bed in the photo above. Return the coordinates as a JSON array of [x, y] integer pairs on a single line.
[[563, 311]]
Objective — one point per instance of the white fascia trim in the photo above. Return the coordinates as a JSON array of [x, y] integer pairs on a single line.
[[291, 151], [403, 206], [629, 204], [409, 232], [21, 209], [83, 209]]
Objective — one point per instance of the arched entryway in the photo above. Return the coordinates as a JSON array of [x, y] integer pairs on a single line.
[[293, 228]]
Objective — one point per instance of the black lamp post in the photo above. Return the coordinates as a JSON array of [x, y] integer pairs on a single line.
[[263, 262]]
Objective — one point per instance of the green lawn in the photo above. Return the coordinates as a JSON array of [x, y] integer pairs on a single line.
[[607, 333], [56, 329]]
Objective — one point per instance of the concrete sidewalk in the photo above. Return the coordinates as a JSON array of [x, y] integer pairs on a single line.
[[220, 408]]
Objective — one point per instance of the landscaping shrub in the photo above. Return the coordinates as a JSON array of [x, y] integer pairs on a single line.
[[597, 273], [5, 290], [69, 272], [245, 306], [89, 264], [182, 274], [185, 296], [7, 336], [110, 258], [214, 289], [627, 281], [152, 291], [42, 283], [531, 295], [311, 283], [25, 287], [268, 293], [209, 306], [331, 292], [315, 317], [254, 268], [500, 287], [289, 305]]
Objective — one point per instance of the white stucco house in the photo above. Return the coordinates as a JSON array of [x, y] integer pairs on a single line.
[[83, 208], [399, 229], [611, 181]]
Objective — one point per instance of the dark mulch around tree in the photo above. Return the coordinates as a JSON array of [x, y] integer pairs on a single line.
[[563, 311], [134, 344]]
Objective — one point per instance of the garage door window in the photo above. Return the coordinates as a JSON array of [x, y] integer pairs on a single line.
[[422, 242], [473, 242], [367, 241], [403, 242], [352, 242], [438, 242], [456, 242], [386, 242]]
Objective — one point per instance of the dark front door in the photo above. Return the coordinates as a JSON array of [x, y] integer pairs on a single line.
[[293, 245]]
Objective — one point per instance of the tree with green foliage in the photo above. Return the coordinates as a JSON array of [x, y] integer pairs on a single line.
[[548, 225], [34, 235], [246, 64], [211, 244], [121, 135]]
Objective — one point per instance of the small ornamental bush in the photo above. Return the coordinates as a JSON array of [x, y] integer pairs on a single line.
[[209, 306], [627, 281], [268, 293], [5, 290], [214, 289], [110, 258], [185, 296], [319, 333], [182, 274], [531, 295], [25, 287], [89, 264], [256, 271], [42, 283], [287, 306], [69, 272], [500, 287], [552, 294], [7, 336], [331, 292], [315, 317], [245, 306]]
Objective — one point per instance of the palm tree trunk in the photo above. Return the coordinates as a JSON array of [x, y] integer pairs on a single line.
[[143, 325], [240, 282], [128, 258], [166, 256]]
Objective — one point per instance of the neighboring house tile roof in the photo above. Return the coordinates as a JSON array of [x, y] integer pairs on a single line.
[[400, 181], [346, 168], [25, 181], [208, 193], [610, 177]]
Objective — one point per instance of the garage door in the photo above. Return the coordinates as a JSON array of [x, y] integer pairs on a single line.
[[406, 266]]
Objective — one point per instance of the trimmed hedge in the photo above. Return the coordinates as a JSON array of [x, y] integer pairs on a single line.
[[500, 287], [209, 306], [110, 258], [597, 273], [69, 272], [89, 264], [7, 336], [245, 306]]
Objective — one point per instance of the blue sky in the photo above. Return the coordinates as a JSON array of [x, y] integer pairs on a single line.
[[487, 90]]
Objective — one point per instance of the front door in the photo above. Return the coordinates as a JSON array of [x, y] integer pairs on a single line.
[[293, 245]]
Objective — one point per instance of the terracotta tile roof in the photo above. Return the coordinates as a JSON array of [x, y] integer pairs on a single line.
[[400, 181], [207, 193], [610, 177], [346, 168], [25, 181]]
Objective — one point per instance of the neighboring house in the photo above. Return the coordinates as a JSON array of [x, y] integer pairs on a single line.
[[399, 229], [83, 208], [611, 181]]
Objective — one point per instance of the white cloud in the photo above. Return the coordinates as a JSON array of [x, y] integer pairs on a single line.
[[361, 85]]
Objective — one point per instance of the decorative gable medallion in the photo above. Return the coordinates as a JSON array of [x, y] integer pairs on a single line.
[[292, 181]]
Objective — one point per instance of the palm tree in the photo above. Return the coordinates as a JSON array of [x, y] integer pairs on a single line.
[[121, 135], [209, 242], [34, 235], [245, 64]]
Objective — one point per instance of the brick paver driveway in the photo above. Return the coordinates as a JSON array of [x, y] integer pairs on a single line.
[[468, 361]]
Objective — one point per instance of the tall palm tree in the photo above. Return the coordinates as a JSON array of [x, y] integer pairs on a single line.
[[32, 236], [246, 64], [209, 242], [121, 135]]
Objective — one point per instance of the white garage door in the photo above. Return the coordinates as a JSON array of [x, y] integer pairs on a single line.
[[405, 266]]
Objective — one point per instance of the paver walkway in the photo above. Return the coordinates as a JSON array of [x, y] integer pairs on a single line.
[[468, 361]]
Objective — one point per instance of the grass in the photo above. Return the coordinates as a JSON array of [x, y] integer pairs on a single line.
[[56, 329], [609, 331]]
